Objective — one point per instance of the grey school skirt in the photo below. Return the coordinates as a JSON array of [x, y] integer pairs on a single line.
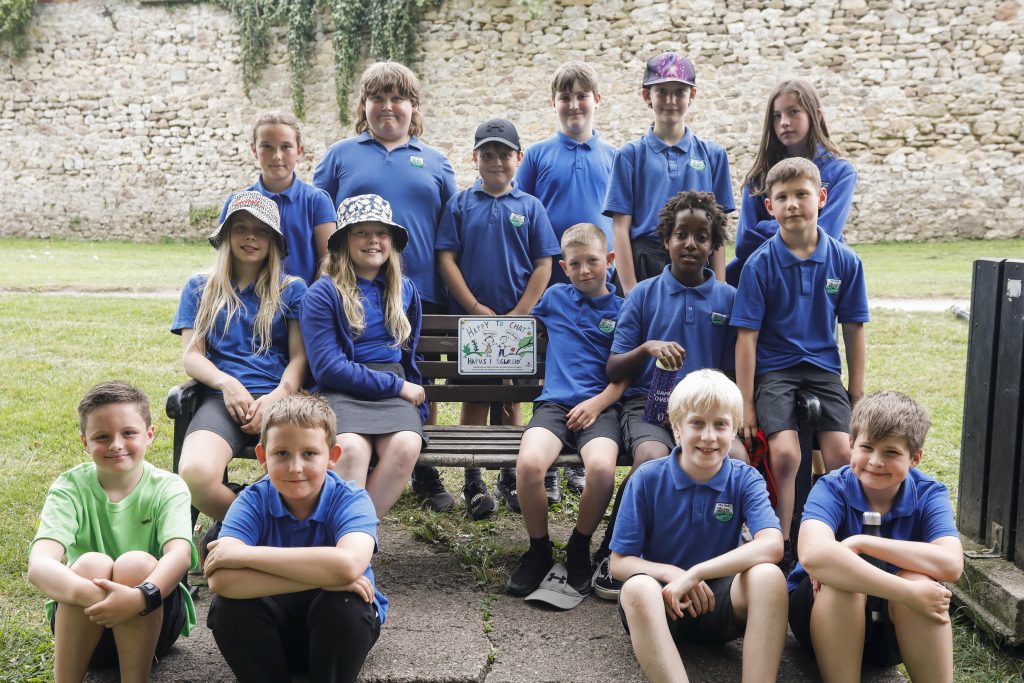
[[372, 417]]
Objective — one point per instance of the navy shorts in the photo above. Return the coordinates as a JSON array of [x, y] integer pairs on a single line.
[[880, 645], [717, 626], [635, 431], [551, 416], [213, 416], [775, 394]]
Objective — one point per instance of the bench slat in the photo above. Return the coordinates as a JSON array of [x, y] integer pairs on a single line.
[[443, 369], [482, 394]]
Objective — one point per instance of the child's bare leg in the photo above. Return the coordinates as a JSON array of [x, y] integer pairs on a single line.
[[784, 447], [599, 467], [537, 450], [136, 638], [759, 598], [512, 414], [926, 644], [648, 630], [648, 450], [738, 451], [837, 633], [356, 450], [75, 636], [835, 449], [396, 456], [474, 413], [204, 455]]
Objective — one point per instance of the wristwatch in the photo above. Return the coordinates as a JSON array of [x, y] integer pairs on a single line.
[[151, 593]]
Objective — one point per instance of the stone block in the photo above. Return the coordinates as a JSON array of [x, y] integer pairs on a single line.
[[992, 592]]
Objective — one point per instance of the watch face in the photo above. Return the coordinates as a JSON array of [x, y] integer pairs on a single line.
[[152, 596]]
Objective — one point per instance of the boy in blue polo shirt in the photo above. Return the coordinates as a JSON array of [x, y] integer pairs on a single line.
[[578, 408], [291, 569], [494, 249], [667, 159], [308, 216], [680, 318], [677, 544], [792, 291], [918, 547]]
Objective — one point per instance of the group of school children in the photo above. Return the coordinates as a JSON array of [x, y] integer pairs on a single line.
[[323, 287]]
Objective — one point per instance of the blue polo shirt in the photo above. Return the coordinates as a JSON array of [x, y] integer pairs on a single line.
[[646, 173], [416, 179], [697, 318], [667, 517], [580, 331], [570, 179], [375, 344], [921, 511], [756, 225], [231, 349], [795, 303], [258, 517], [302, 208], [495, 240]]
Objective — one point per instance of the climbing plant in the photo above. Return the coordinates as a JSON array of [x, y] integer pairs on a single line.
[[14, 17]]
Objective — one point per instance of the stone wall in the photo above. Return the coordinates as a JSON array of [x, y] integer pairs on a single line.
[[128, 120]]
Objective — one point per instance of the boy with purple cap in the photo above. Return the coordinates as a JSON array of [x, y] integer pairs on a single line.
[[666, 160]]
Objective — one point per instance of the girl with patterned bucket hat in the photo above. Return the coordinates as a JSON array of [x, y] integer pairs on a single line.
[[361, 323], [239, 325]]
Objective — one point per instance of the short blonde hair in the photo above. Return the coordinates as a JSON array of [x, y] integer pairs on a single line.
[[791, 169], [573, 72], [279, 118], [705, 391], [584, 235], [304, 410], [890, 414]]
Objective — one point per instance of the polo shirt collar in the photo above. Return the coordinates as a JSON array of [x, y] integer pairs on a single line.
[[904, 505], [681, 480], [289, 192], [365, 136], [788, 258], [478, 186], [319, 514], [597, 301], [659, 146], [573, 144], [702, 290]]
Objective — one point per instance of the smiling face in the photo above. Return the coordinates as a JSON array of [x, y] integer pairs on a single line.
[[389, 115], [670, 101], [790, 123], [881, 466], [704, 440], [369, 247], [575, 109], [587, 269], [689, 246], [277, 151], [116, 436], [250, 239], [795, 204], [296, 459], [497, 166]]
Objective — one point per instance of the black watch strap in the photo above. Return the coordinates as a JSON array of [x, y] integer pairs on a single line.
[[151, 593]]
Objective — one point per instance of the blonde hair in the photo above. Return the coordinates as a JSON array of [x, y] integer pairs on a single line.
[[705, 391], [339, 267], [219, 295], [584, 235], [792, 169], [385, 77], [277, 118], [570, 73], [890, 414], [308, 411]]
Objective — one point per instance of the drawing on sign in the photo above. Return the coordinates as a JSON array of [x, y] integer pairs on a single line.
[[488, 345]]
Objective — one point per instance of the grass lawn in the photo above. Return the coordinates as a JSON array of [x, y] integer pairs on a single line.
[[55, 347]]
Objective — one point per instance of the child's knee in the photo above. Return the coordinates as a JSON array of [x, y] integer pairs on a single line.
[[94, 566], [133, 567], [531, 466], [600, 473], [199, 473], [649, 450], [639, 594]]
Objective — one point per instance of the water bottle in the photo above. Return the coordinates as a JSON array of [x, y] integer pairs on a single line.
[[872, 526], [663, 381]]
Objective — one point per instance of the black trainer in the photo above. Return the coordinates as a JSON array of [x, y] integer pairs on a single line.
[[430, 489], [479, 504], [606, 587], [552, 487], [577, 565], [575, 477], [533, 567], [506, 488]]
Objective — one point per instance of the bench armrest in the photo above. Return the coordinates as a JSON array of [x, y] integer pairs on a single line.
[[183, 400], [808, 407]]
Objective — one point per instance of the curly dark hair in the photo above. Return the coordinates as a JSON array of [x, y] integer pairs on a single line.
[[696, 201]]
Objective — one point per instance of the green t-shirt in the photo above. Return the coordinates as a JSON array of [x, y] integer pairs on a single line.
[[78, 515]]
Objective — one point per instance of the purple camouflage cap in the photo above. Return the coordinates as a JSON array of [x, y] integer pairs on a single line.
[[670, 66]]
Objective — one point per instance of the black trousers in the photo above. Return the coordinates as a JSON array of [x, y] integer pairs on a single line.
[[327, 634]]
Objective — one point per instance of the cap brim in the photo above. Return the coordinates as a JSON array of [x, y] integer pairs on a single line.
[[503, 141], [556, 591], [656, 81]]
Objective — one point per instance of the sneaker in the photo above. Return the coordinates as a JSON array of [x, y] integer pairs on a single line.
[[552, 487], [431, 490], [211, 535], [606, 587], [574, 479], [506, 488], [533, 567], [479, 504], [577, 565]]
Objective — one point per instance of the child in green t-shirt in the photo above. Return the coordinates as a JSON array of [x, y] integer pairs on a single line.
[[124, 527]]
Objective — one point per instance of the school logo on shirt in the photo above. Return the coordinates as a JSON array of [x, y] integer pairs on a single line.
[[697, 164], [517, 219], [719, 319], [607, 325], [416, 161], [832, 286], [723, 512]]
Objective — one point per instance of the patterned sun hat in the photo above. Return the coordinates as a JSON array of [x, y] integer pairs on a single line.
[[260, 206], [670, 66], [367, 208]]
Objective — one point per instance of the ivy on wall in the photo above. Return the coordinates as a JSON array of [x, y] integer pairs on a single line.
[[14, 17]]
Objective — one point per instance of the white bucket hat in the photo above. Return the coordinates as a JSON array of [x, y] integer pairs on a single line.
[[367, 208], [260, 206]]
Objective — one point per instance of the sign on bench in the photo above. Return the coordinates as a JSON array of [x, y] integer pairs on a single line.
[[491, 345]]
